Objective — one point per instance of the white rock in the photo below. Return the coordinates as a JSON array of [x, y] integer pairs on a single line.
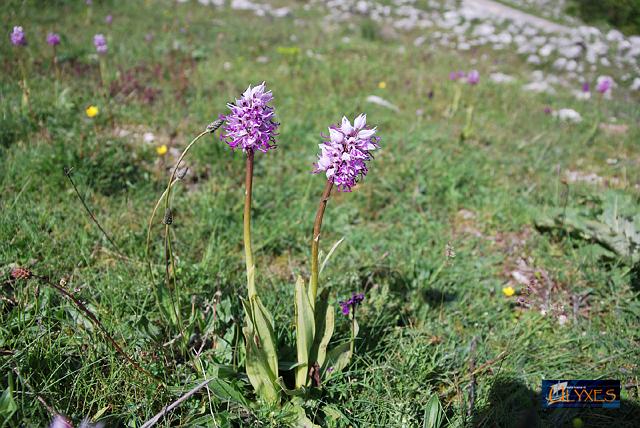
[[560, 63], [501, 78], [537, 75], [533, 59], [581, 95], [484, 30], [615, 36], [419, 41], [635, 86], [567, 115], [374, 99], [546, 50], [572, 51], [148, 137], [539, 87]]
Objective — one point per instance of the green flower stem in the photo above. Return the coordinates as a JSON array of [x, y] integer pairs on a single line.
[[352, 345], [315, 243], [251, 283]]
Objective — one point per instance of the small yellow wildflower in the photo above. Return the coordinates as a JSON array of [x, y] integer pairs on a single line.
[[92, 111], [162, 150], [382, 85], [508, 291], [288, 50]]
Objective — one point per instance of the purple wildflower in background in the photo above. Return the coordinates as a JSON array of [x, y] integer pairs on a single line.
[[18, 38], [100, 42], [453, 76], [53, 39], [604, 85], [350, 304], [473, 77], [345, 155], [108, 19], [251, 124], [548, 110], [586, 87], [460, 74]]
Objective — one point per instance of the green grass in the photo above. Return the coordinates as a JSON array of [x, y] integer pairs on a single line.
[[417, 323]]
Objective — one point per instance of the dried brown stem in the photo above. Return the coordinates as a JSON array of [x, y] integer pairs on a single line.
[[98, 324]]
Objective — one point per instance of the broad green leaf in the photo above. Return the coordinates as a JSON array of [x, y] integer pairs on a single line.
[[299, 392], [165, 303], [100, 412], [226, 391], [333, 412], [331, 251], [433, 413], [260, 351], [264, 328], [305, 331], [324, 318], [299, 417], [8, 405], [339, 357]]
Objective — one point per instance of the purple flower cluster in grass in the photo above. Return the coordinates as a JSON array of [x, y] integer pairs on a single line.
[[473, 77], [350, 304], [251, 125], [100, 42], [18, 37], [53, 39], [345, 155], [604, 85]]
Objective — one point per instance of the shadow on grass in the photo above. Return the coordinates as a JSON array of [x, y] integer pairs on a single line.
[[435, 297], [512, 404], [634, 278]]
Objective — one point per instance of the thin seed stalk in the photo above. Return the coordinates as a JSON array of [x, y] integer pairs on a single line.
[[315, 242], [169, 259], [251, 284]]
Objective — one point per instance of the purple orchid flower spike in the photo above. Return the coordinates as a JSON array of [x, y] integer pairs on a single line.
[[18, 36], [251, 125], [604, 85], [473, 77], [345, 154], [350, 304], [53, 39], [100, 42]]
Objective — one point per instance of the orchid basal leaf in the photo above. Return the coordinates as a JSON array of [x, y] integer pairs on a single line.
[[324, 329], [261, 358], [305, 331]]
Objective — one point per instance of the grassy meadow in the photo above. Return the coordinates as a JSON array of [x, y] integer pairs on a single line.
[[432, 236]]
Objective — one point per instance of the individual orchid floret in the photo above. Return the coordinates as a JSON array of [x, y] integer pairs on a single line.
[[251, 125], [345, 154], [350, 304], [18, 37]]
